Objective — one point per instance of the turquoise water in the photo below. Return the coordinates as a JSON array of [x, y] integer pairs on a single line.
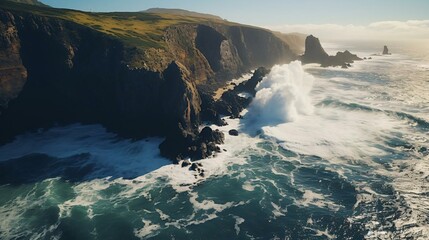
[[354, 166]]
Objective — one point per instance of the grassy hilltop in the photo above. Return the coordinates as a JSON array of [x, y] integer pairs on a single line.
[[138, 29]]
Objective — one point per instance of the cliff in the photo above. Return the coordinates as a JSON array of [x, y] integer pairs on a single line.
[[138, 74], [314, 53]]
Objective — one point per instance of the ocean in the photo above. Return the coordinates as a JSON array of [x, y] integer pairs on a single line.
[[323, 153]]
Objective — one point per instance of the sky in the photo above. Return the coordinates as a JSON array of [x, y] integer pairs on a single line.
[[326, 18]]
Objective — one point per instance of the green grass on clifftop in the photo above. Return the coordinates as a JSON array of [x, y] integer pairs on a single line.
[[30, 2], [138, 29]]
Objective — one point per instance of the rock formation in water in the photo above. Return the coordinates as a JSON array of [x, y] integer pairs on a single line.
[[314, 53], [56, 69], [385, 50]]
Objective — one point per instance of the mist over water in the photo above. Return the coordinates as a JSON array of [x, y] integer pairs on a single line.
[[322, 154]]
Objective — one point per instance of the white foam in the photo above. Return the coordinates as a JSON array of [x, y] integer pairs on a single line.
[[238, 222], [248, 186], [281, 96], [87, 195], [317, 199], [277, 210], [14, 211], [148, 230], [334, 134]]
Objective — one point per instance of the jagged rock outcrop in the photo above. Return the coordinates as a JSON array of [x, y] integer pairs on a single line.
[[314, 53], [250, 85], [193, 145], [230, 103], [55, 71]]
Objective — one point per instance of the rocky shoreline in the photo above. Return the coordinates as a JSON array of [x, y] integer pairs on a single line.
[[203, 144]]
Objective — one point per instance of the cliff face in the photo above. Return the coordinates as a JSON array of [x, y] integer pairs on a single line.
[[13, 74], [58, 71]]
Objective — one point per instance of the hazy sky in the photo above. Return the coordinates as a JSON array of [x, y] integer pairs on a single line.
[[326, 18]]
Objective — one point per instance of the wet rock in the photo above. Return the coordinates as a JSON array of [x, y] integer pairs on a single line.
[[207, 135], [186, 163], [193, 167], [233, 132], [250, 85]]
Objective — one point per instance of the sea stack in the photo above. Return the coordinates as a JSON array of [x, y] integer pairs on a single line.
[[385, 51], [314, 53]]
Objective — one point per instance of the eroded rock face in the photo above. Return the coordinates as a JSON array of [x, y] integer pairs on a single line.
[[13, 74], [181, 103]]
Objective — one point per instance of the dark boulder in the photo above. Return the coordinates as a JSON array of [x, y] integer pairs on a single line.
[[194, 167], [233, 132], [207, 135]]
